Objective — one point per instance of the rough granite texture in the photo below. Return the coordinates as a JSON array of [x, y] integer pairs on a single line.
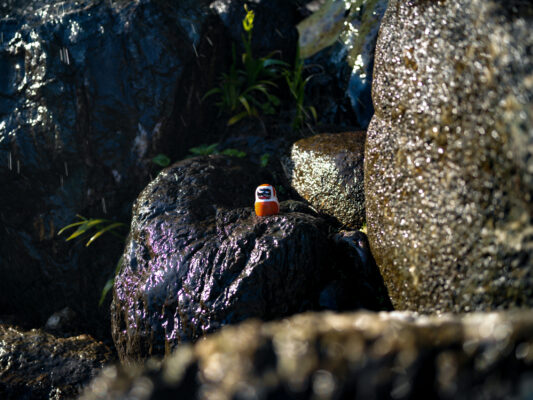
[[343, 356], [327, 171], [448, 163], [38, 365]]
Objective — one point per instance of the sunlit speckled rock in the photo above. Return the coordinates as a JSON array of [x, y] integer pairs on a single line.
[[343, 356], [327, 171], [448, 163], [37, 365]]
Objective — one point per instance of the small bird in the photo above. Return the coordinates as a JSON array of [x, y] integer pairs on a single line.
[[266, 201]]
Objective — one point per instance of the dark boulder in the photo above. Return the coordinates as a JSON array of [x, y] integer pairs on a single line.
[[38, 365], [350, 356], [327, 171], [355, 264], [198, 258], [448, 163], [339, 46], [87, 93]]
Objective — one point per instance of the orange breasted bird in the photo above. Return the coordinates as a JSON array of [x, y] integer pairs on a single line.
[[266, 201]]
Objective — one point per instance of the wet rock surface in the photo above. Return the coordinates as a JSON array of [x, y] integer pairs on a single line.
[[344, 356], [355, 264], [327, 171], [197, 258], [86, 93], [38, 365], [342, 71], [448, 163]]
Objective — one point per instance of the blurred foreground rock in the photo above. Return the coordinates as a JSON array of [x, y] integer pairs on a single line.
[[327, 171], [343, 356], [37, 365], [198, 258], [449, 155]]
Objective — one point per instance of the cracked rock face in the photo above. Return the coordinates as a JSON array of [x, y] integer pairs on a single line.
[[38, 365], [327, 171], [363, 355], [198, 258], [448, 163]]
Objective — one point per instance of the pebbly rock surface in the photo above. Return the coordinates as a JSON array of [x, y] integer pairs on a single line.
[[448, 163], [38, 365], [198, 258], [363, 355], [86, 96], [327, 171]]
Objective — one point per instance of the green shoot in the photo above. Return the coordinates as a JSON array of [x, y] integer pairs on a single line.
[[296, 84], [204, 149], [162, 160], [208, 149], [100, 226], [234, 153], [247, 92], [264, 160], [109, 284]]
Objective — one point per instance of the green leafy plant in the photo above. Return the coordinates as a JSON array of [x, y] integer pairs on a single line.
[[247, 91], [204, 149], [296, 84], [263, 161], [110, 282], [233, 153], [98, 227], [207, 149], [162, 160]]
